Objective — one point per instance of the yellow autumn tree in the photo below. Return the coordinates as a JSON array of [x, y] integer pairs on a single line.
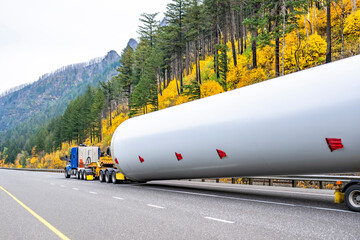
[[253, 76], [210, 88], [352, 25]]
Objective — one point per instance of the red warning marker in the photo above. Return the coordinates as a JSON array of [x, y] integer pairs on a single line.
[[178, 156], [221, 153], [334, 143], [141, 159], [116, 161]]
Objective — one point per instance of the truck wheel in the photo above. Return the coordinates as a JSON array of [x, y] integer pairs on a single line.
[[78, 175], [352, 197], [66, 173], [113, 177], [82, 173], [101, 176], [107, 177]]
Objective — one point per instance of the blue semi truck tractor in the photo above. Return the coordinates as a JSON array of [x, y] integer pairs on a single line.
[[86, 163]]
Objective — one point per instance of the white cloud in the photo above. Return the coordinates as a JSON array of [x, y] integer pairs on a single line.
[[39, 36]]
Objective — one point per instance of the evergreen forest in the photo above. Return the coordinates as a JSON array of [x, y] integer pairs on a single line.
[[201, 48]]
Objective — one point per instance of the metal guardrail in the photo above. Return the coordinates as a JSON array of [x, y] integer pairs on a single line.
[[327, 178], [293, 180], [36, 169]]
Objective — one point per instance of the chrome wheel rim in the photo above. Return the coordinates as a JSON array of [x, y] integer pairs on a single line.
[[354, 198]]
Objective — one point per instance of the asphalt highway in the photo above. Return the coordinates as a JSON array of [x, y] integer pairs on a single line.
[[38, 205]]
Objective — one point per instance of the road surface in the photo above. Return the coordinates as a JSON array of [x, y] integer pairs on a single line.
[[38, 205]]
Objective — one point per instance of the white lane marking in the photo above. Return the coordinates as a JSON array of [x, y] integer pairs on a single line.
[[118, 198], [252, 189], [75, 188], [219, 220], [225, 197], [62, 186], [253, 200], [93, 192], [155, 206], [327, 209]]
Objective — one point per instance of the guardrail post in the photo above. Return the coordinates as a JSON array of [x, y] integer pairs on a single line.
[[217, 180], [233, 180], [321, 184], [293, 183], [271, 182], [251, 181]]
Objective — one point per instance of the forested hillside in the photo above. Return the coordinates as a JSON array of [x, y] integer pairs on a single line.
[[201, 48], [24, 110]]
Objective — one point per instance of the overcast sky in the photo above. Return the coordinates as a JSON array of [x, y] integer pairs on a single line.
[[40, 36]]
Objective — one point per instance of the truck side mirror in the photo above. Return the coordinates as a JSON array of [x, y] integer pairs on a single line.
[[108, 151]]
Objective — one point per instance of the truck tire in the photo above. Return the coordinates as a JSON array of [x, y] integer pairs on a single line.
[[107, 177], [101, 176], [352, 197], [83, 177], [78, 175], [67, 175], [113, 177]]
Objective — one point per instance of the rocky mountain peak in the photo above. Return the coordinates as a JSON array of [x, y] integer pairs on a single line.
[[132, 43]]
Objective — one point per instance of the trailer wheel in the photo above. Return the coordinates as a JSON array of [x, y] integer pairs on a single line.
[[113, 177], [352, 197], [67, 175], [101, 176], [78, 175], [107, 177]]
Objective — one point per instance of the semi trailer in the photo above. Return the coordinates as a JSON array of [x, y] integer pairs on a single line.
[[306, 122]]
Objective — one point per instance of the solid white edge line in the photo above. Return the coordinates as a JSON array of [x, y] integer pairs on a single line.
[[118, 198], [155, 206], [219, 220], [93, 192]]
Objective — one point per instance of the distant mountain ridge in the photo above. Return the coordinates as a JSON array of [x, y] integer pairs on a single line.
[[49, 96]]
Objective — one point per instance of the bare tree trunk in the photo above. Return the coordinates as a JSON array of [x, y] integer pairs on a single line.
[[284, 27], [353, 5], [317, 25], [224, 26], [237, 30], [253, 48], [328, 32], [308, 19], [242, 29], [277, 58], [245, 36], [198, 76], [307, 32], [187, 58], [231, 31], [342, 28]]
